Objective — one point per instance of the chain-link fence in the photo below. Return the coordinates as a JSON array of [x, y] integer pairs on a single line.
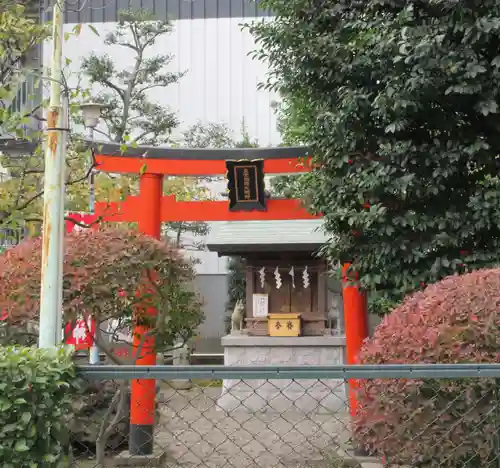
[[289, 417]]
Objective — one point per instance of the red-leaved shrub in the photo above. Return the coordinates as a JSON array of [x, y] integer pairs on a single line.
[[103, 272], [436, 422]]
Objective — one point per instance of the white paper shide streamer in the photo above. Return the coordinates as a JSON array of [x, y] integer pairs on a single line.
[[292, 274], [262, 275], [278, 278], [305, 278]]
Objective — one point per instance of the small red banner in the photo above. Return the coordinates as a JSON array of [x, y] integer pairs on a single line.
[[82, 335]]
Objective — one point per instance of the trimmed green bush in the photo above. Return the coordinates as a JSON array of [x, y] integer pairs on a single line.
[[36, 390], [446, 423]]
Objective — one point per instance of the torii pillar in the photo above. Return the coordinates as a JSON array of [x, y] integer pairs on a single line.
[[143, 392], [356, 326]]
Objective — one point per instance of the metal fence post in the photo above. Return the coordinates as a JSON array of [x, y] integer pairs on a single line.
[[497, 421]]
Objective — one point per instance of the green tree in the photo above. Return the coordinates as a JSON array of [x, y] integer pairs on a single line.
[[399, 104], [129, 112], [211, 135], [21, 185], [19, 35], [132, 116]]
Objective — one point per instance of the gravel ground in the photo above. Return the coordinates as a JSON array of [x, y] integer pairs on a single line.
[[196, 433]]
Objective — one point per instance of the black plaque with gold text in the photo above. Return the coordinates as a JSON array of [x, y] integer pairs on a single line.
[[246, 185]]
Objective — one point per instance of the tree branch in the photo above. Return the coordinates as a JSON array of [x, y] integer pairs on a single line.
[[23, 206], [149, 87], [114, 87], [127, 44], [120, 410], [142, 135], [102, 345], [84, 225], [87, 174], [32, 171], [106, 429], [103, 133], [131, 83]]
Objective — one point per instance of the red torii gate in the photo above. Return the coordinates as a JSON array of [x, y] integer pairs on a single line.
[[151, 208]]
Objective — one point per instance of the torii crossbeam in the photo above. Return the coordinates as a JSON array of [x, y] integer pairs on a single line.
[[154, 163]]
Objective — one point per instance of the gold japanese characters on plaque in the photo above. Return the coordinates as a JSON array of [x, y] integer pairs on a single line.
[[284, 324], [246, 184]]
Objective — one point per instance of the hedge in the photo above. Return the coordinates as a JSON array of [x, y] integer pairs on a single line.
[[36, 390], [430, 423]]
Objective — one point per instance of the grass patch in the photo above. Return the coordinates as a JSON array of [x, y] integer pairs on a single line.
[[207, 383], [201, 383]]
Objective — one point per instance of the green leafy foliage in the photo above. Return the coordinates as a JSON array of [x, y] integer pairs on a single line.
[[36, 391], [20, 34], [423, 423], [398, 102], [211, 135], [198, 135], [103, 272]]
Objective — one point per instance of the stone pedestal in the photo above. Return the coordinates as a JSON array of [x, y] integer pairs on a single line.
[[181, 358], [280, 395], [124, 459]]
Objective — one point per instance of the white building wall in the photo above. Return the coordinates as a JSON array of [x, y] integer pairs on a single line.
[[220, 85]]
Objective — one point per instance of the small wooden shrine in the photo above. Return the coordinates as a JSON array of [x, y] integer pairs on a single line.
[[284, 274], [288, 308]]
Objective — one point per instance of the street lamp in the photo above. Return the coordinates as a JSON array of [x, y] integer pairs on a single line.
[[91, 112], [91, 115]]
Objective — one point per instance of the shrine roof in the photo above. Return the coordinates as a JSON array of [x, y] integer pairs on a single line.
[[237, 237], [214, 154]]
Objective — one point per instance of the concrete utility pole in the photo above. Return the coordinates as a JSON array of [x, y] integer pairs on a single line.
[[53, 200]]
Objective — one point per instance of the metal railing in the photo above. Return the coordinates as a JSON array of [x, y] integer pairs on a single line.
[[11, 237], [27, 97], [248, 417], [194, 357]]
